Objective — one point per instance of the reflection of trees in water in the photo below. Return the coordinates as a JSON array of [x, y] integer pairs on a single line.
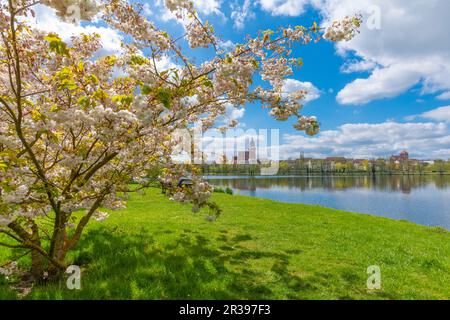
[[384, 183]]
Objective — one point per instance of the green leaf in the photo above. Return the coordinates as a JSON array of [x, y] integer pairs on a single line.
[[208, 83], [138, 60], [123, 99], [94, 79], [145, 90], [56, 44], [84, 102], [68, 84], [357, 22], [80, 66], [165, 96]]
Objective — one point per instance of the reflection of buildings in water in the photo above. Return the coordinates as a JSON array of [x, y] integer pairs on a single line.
[[406, 185], [397, 183]]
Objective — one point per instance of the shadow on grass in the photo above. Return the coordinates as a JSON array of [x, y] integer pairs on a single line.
[[117, 264], [184, 265]]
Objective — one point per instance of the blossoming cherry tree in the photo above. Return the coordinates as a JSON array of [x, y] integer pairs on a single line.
[[76, 127]]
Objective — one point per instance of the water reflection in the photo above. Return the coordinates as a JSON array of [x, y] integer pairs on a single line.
[[403, 184], [421, 199]]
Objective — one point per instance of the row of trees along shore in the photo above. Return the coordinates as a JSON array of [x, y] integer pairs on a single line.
[[324, 167]]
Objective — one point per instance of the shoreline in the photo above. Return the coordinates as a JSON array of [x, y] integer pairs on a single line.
[[327, 175]]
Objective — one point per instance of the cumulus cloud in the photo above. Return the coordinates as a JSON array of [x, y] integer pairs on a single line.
[[423, 140], [235, 113], [292, 85], [227, 45], [410, 47], [382, 83], [444, 96], [439, 114], [291, 8], [231, 113], [241, 13], [358, 66], [47, 20], [206, 7], [209, 6], [166, 63], [147, 10]]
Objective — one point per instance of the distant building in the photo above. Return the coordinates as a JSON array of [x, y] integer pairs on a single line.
[[402, 157], [249, 155], [336, 159], [359, 164]]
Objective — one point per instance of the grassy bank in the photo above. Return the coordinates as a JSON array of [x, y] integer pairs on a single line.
[[258, 249]]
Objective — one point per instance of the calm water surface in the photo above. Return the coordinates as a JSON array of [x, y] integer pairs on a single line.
[[420, 199]]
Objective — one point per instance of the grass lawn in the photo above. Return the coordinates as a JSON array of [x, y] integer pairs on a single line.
[[258, 249]]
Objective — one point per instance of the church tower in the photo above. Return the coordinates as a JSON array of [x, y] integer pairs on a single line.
[[252, 152]]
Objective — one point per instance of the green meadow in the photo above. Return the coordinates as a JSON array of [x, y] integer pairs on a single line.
[[258, 249]]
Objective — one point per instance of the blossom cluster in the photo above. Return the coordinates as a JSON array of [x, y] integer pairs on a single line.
[[234, 76], [196, 192], [10, 269], [179, 5], [308, 124], [199, 35], [75, 10], [275, 71], [343, 30], [100, 216], [125, 17]]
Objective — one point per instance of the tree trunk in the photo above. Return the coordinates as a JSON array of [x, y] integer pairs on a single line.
[[37, 260], [59, 253], [57, 246], [37, 265]]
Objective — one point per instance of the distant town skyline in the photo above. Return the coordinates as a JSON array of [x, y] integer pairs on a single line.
[[249, 155]]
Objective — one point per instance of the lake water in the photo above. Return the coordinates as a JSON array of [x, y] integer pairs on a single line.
[[420, 199]]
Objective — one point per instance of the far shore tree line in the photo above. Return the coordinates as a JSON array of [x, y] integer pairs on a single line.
[[379, 166]]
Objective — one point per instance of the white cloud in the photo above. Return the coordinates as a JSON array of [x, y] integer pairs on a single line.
[[231, 113], [439, 114], [411, 46], [240, 14], [423, 140], [292, 85], [382, 83], [147, 10], [291, 8], [358, 66], [208, 6], [47, 20], [236, 114], [444, 96], [227, 45], [166, 63]]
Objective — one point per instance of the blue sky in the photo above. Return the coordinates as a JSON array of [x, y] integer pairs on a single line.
[[385, 91]]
